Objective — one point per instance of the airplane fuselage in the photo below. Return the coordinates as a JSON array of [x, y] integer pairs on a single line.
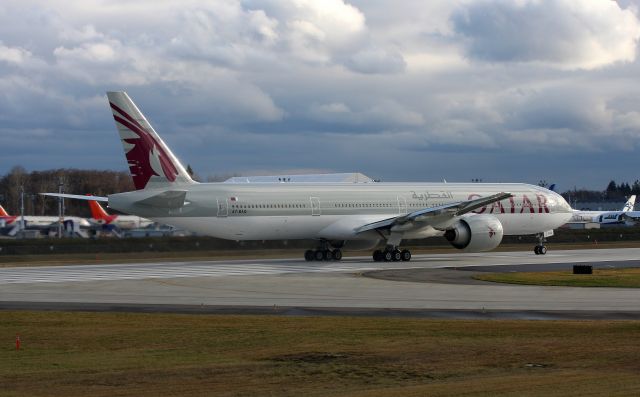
[[334, 211]]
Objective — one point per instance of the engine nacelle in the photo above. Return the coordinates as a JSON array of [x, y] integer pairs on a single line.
[[475, 233]]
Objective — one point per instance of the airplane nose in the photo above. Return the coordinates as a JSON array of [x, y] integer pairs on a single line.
[[563, 203]]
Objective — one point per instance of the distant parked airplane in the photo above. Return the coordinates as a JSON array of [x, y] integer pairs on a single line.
[[607, 217], [38, 222], [472, 216], [99, 215]]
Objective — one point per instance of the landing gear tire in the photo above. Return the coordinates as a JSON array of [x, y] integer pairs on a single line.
[[540, 250], [377, 256], [387, 256], [308, 255], [405, 255], [328, 256], [396, 255], [336, 254], [318, 255]]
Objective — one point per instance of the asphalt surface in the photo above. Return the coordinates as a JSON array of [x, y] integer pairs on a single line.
[[464, 275], [437, 286]]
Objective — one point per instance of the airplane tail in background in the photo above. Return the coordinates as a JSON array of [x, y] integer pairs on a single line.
[[629, 204], [98, 213], [3, 212], [151, 162]]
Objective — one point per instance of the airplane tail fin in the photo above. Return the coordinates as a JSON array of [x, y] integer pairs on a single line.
[[97, 212], [3, 212], [630, 204], [151, 162]]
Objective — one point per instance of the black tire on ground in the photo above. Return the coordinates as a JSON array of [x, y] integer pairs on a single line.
[[406, 255], [387, 256], [542, 250], [337, 254], [397, 255], [328, 256], [308, 255], [377, 256], [318, 255], [536, 250]]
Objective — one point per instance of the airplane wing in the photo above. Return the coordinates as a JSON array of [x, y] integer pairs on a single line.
[[434, 215], [77, 196]]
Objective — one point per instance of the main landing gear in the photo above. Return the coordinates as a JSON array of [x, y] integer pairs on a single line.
[[323, 255], [540, 249], [392, 254]]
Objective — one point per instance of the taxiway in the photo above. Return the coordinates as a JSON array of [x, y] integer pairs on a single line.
[[439, 283]]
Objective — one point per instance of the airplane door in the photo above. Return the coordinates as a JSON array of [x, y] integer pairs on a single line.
[[315, 206], [402, 206], [223, 208]]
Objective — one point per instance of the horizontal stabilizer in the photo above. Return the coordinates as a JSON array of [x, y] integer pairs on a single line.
[[169, 199], [77, 197]]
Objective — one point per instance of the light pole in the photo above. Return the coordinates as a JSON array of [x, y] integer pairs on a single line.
[[60, 207], [22, 210]]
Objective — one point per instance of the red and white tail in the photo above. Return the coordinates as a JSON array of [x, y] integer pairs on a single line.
[[150, 159], [3, 212], [98, 213]]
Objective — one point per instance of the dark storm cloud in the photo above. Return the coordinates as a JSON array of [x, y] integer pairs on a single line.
[[404, 90]]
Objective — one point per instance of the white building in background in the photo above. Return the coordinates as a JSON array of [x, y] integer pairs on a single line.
[[348, 177]]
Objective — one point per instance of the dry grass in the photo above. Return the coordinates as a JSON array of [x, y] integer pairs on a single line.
[[116, 354], [619, 278]]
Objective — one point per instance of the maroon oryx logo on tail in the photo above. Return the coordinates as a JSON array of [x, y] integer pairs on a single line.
[[145, 155]]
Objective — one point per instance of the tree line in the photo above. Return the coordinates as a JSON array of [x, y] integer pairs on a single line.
[[74, 181], [613, 192], [102, 183]]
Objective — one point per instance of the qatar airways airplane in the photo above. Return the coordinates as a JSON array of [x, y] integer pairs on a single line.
[[473, 217]]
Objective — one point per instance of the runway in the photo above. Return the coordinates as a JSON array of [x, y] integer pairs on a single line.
[[352, 286]]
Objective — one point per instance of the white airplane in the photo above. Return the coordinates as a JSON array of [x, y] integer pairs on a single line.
[[473, 217], [607, 217], [100, 216], [36, 222]]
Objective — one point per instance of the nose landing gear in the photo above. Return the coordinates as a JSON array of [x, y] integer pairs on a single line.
[[540, 249]]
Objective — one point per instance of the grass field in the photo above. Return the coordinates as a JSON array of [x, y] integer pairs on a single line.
[[620, 278], [116, 354]]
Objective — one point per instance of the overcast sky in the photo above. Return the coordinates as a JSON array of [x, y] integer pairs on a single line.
[[512, 91]]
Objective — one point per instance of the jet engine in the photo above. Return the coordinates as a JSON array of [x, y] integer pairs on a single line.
[[475, 233]]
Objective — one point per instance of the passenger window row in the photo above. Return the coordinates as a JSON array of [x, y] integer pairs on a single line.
[[264, 206]]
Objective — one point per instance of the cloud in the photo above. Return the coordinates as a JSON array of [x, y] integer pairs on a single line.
[[568, 34], [382, 114], [376, 60], [454, 89], [13, 55]]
